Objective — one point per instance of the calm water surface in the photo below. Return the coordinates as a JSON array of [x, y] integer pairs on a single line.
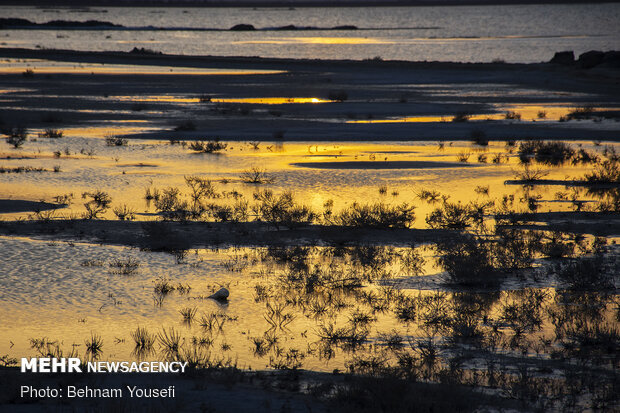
[[518, 33]]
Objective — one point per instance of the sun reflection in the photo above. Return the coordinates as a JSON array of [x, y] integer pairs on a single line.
[[257, 101]]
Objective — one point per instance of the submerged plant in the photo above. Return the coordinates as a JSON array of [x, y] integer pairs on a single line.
[[143, 339], [94, 346], [124, 267], [255, 175]]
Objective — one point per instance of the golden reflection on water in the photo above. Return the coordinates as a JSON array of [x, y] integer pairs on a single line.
[[114, 169], [258, 101], [526, 112], [266, 301], [108, 69]]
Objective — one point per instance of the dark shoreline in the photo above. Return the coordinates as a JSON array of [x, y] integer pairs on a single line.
[[212, 61]]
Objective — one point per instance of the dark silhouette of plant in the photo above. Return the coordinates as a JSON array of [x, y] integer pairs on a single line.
[[98, 202]]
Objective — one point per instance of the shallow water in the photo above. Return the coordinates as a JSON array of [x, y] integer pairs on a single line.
[[126, 171], [72, 292], [515, 33]]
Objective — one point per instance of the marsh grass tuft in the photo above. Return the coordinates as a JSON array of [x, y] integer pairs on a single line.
[[97, 204], [16, 136], [94, 346], [124, 213], [378, 215], [51, 133], [143, 339], [188, 313], [115, 140], [170, 342], [128, 266], [256, 175], [213, 146]]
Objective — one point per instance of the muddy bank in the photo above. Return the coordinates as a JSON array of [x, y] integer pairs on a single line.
[[178, 236], [592, 223], [16, 205]]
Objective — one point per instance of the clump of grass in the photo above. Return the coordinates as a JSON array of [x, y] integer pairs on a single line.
[[461, 117], [429, 196], [20, 169], [28, 73], [143, 339], [378, 215], [115, 140], [128, 266], [51, 133], [16, 136], [453, 215], [98, 202], [94, 346], [170, 205], [541, 114], [124, 213], [383, 190], [529, 174], [499, 158], [350, 336], [282, 210], [463, 157], [92, 263], [208, 147], [201, 188], [188, 314], [255, 175], [606, 172], [170, 342], [582, 112], [163, 286], [151, 194], [511, 115], [482, 190], [551, 153], [254, 144], [582, 156]]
